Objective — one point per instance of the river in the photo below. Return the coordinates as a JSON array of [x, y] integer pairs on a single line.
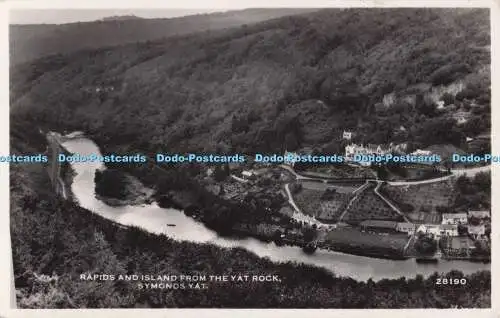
[[154, 219]]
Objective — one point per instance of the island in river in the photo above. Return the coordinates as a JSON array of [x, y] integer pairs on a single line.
[[117, 188]]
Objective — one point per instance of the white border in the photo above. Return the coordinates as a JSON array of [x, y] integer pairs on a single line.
[[6, 297]]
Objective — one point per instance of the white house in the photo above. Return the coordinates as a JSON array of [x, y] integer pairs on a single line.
[[377, 149], [347, 135], [398, 148], [454, 218], [210, 172], [461, 120], [405, 227], [420, 152], [288, 155], [433, 229], [483, 214], [476, 231], [247, 173], [353, 149], [461, 117]]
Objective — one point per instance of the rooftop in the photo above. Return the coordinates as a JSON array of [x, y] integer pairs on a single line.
[[449, 227], [379, 223], [480, 214], [454, 215]]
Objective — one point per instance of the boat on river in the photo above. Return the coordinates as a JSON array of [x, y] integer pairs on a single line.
[[431, 260]]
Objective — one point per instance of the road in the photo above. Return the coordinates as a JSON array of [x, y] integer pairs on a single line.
[[454, 173], [298, 215], [395, 208]]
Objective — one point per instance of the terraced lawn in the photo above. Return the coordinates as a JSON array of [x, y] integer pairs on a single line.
[[356, 238], [368, 206], [312, 203], [420, 202]]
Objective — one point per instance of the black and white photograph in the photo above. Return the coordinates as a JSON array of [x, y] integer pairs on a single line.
[[262, 158]]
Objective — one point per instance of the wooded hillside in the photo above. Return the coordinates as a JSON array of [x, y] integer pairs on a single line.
[[284, 83]]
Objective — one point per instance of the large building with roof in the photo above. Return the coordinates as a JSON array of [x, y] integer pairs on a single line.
[[479, 214], [378, 225], [454, 218]]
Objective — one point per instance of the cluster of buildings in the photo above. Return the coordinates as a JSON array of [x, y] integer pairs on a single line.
[[447, 228], [100, 89], [352, 150], [388, 226], [451, 221]]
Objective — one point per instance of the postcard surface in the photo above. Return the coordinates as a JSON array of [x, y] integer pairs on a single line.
[[271, 158]]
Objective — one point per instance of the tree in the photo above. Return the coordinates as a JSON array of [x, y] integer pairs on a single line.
[[426, 245], [221, 172], [474, 221], [110, 183], [310, 234], [462, 230]]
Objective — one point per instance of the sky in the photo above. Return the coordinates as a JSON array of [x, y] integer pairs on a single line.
[[59, 16]]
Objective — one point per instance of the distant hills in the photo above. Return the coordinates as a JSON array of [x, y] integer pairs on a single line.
[[121, 18], [28, 42], [287, 83]]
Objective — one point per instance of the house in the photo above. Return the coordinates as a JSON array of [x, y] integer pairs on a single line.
[[448, 230], [247, 174], [484, 136], [433, 229], [461, 120], [483, 214], [476, 231], [454, 218], [420, 152], [353, 151], [289, 158], [405, 227], [461, 117], [458, 246], [440, 104], [398, 148], [380, 226], [377, 149], [347, 135], [233, 165], [210, 171]]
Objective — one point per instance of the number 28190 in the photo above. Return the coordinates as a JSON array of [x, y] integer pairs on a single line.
[[451, 281]]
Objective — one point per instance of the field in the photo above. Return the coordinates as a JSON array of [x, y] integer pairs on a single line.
[[368, 206], [456, 246], [425, 217], [356, 238], [421, 202], [313, 202], [320, 186], [344, 171]]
